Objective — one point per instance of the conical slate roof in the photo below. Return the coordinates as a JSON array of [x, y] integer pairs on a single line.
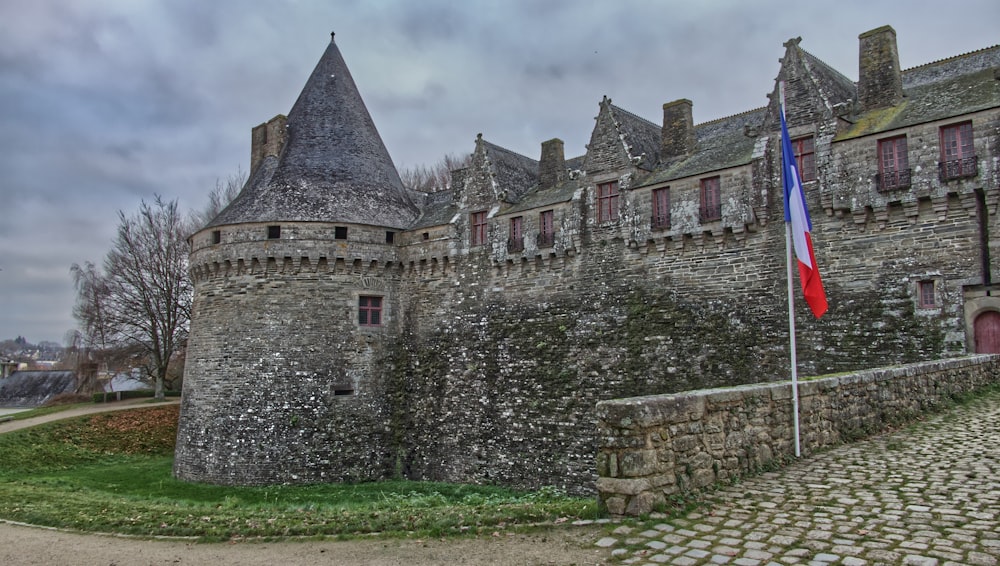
[[334, 167]]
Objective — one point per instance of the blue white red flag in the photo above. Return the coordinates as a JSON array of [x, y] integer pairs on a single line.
[[797, 214]]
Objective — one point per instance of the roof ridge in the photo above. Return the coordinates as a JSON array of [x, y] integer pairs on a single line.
[[504, 149], [744, 113], [636, 116], [828, 66], [952, 58]]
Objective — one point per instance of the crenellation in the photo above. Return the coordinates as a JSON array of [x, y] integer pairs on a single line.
[[443, 355]]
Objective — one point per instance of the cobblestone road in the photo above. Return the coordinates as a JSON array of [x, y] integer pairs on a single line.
[[927, 495]]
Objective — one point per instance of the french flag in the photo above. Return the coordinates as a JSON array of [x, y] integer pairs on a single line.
[[797, 214]]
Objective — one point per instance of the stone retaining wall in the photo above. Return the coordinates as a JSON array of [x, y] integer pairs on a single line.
[[652, 447]]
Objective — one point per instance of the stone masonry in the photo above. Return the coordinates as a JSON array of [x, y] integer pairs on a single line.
[[508, 304], [650, 448]]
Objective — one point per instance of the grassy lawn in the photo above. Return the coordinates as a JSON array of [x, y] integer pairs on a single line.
[[111, 472]]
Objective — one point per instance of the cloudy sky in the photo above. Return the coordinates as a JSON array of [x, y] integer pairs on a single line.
[[105, 103]]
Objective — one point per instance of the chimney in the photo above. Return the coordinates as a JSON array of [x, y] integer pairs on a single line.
[[678, 130], [552, 166], [880, 83], [267, 140]]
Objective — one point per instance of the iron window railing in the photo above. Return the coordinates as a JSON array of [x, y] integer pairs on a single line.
[[660, 221], [958, 168], [546, 239], [515, 245], [893, 180], [711, 213]]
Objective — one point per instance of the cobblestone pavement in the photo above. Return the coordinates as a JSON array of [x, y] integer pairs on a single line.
[[927, 495]]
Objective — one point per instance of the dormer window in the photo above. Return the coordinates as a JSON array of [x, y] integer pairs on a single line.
[[478, 222], [805, 157], [607, 202]]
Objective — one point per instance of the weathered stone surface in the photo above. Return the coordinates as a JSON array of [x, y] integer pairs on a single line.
[[723, 445]]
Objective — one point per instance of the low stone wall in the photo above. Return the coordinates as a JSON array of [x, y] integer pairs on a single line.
[[652, 447]]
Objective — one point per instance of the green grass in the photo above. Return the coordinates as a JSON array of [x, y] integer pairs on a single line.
[[112, 473]]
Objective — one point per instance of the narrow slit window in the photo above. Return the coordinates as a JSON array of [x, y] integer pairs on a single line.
[[390, 237], [216, 236], [340, 233], [273, 232]]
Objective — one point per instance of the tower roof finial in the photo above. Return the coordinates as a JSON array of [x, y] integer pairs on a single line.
[[332, 33]]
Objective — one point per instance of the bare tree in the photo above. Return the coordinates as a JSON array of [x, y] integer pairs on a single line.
[[89, 310], [435, 178], [219, 198], [146, 294]]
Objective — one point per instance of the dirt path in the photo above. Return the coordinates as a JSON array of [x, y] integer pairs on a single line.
[[90, 409], [31, 546]]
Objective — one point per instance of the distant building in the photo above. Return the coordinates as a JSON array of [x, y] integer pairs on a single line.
[[35, 388], [344, 328]]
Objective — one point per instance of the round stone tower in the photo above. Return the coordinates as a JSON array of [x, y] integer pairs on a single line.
[[295, 292]]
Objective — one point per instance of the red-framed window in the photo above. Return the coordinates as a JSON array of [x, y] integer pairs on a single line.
[[478, 228], [926, 298], [805, 157], [893, 164], [516, 241], [661, 208], [956, 141], [546, 229], [369, 310], [958, 153], [607, 201], [711, 199]]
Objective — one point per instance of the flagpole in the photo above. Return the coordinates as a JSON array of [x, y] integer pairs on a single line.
[[791, 301]]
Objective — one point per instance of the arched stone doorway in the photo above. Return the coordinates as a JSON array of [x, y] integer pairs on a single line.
[[987, 332]]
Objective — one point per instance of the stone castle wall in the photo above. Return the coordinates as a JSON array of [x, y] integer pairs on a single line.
[[656, 446], [284, 385]]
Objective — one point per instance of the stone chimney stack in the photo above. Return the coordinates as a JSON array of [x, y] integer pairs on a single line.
[[678, 137], [880, 82], [552, 166], [267, 140]]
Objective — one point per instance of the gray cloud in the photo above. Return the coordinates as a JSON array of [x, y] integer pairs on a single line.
[[109, 102]]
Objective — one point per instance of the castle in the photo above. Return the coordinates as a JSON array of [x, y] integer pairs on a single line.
[[345, 328]]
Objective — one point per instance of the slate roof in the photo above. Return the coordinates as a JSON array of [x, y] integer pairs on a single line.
[[641, 134], [937, 91], [334, 167], [437, 208], [836, 87], [720, 144], [514, 173]]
